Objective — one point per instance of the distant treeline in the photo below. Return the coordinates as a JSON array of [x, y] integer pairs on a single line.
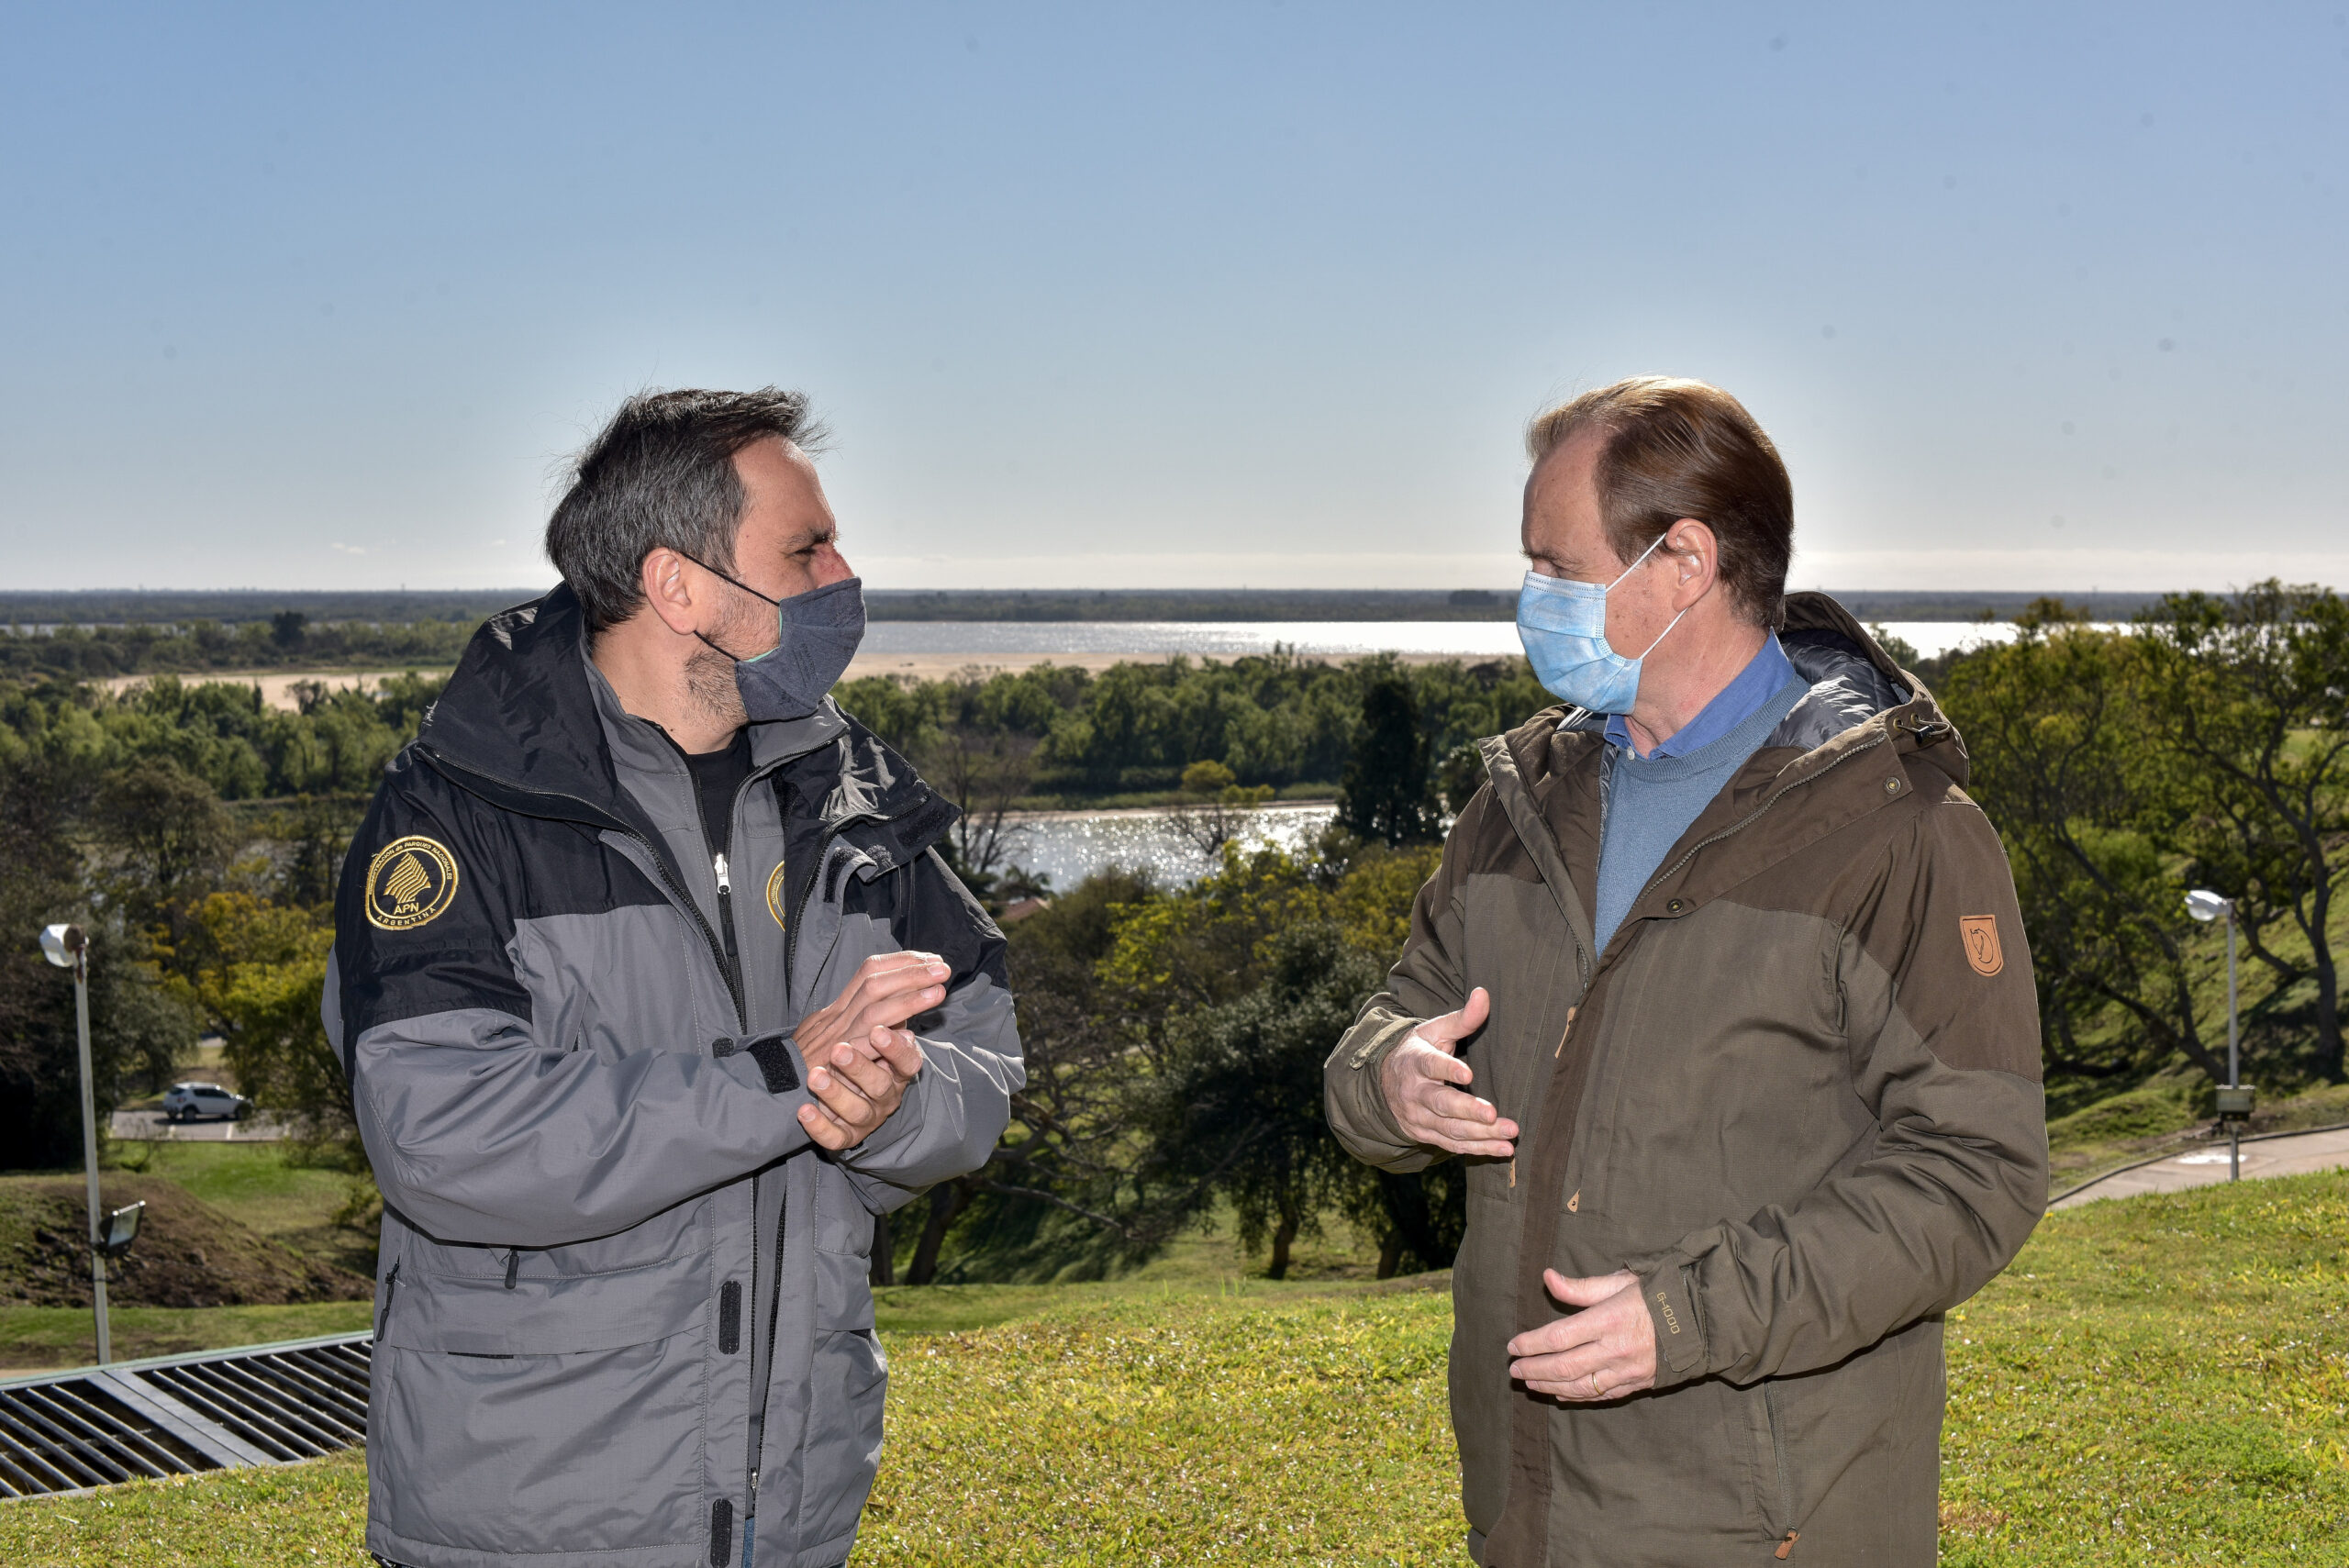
[[242, 608], [289, 641], [1269, 719]]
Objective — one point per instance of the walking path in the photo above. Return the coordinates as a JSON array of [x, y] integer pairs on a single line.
[[151, 1124], [2276, 1154]]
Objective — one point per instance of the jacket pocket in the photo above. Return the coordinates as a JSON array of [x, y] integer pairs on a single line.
[[483, 1315], [843, 1225], [1836, 1452], [848, 1385], [564, 1414]]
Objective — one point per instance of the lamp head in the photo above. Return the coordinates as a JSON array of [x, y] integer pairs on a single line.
[[2206, 906], [121, 1229], [62, 944]]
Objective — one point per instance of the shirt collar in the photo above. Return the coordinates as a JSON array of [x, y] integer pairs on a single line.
[[1768, 670]]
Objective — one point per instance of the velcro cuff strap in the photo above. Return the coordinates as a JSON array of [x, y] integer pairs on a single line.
[[777, 1063]]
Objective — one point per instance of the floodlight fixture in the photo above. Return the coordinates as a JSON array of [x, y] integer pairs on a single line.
[[121, 1230], [2206, 906], [61, 944]]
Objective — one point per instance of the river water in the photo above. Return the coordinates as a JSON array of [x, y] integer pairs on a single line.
[[1069, 846], [979, 641]]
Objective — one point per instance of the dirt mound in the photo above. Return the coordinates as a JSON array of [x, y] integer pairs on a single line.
[[188, 1253]]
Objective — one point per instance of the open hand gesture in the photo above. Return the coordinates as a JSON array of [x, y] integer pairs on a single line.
[[1425, 1080]]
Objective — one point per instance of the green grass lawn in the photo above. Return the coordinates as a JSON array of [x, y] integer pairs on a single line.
[[251, 1181], [2163, 1380], [32, 1337], [2159, 1379]]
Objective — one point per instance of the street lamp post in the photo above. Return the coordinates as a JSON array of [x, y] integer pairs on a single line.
[[69, 948], [2234, 1100]]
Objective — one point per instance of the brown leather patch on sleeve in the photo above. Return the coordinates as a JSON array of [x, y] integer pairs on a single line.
[[1980, 935]]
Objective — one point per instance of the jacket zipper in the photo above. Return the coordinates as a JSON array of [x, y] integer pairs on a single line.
[[737, 986], [595, 814], [717, 952], [390, 1289], [1786, 1480]]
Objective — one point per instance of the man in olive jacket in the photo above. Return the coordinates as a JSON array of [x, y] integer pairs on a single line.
[[1749, 1026]]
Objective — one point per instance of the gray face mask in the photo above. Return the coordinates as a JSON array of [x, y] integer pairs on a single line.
[[820, 632]]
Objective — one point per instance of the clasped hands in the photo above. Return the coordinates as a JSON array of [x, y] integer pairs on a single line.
[[859, 1061], [1607, 1348]]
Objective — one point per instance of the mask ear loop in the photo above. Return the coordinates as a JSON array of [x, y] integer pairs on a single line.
[[1635, 567], [722, 577], [1608, 589]]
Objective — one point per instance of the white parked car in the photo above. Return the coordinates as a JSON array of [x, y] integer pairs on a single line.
[[185, 1102]]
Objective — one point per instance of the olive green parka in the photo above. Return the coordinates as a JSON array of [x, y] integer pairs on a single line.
[[1797, 1094]]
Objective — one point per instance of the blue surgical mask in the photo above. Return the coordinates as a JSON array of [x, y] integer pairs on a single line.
[[1564, 628], [820, 632]]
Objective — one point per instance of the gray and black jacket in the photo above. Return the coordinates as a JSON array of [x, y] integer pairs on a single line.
[[621, 1303]]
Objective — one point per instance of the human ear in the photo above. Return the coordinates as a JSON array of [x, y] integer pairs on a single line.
[[669, 591], [1695, 555]]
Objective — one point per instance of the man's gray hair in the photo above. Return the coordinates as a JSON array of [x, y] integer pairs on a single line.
[[662, 474]]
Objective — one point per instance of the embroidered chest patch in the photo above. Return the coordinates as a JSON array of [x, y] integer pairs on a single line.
[[774, 896]]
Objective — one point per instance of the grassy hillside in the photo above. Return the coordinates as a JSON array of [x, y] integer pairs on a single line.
[[2163, 1380], [238, 1247], [2169, 1115]]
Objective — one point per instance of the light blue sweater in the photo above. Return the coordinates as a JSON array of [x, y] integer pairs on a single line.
[[1652, 800]]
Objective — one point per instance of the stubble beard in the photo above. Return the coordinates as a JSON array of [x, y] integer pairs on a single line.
[[709, 682]]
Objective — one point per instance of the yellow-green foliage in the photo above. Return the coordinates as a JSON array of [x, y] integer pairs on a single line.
[[2161, 1380]]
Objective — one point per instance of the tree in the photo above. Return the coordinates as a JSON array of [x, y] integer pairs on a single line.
[[984, 772], [2250, 695], [136, 1025], [1221, 809], [262, 990], [1386, 794], [165, 843], [1058, 1197], [2055, 726], [1237, 1111]]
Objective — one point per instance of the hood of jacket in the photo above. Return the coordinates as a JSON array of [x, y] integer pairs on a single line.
[[1855, 685], [527, 720]]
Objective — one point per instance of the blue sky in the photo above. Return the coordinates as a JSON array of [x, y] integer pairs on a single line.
[[1104, 295]]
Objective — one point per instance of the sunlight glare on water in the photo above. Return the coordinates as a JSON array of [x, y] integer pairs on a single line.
[[1468, 640], [1069, 846]]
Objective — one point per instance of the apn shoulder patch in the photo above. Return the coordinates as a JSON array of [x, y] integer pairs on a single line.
[[410, 883], [1980, 935]]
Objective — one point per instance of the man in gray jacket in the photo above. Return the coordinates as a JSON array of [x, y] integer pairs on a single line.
[[653, 991]]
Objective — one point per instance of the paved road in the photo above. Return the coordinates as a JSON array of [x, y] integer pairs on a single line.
[[2288, 1156], [150, 1124]]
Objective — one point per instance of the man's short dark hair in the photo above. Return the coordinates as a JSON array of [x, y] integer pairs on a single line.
[[1678, 449], [661, 473]]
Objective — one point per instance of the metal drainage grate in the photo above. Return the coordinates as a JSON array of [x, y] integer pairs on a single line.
[[176, 1415]]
